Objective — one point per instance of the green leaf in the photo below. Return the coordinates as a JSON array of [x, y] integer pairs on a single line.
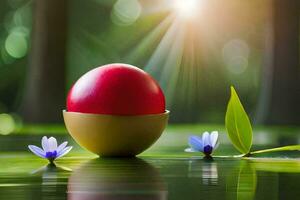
[[238, 124], [285, 148]]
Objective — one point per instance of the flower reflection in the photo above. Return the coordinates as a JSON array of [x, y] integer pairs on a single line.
[[51, 176], [210, 174], [116, 179], [50, 169], [207, 170]]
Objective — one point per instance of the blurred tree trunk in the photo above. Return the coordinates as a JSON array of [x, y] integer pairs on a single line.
[[280, 93], [44, 94]]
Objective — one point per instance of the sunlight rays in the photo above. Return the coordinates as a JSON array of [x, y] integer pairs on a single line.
[[174, 64], [171, 68], [171, 49], [162, 51], [149, 39]]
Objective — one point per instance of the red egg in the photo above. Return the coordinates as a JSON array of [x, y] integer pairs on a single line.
[[116, 89]]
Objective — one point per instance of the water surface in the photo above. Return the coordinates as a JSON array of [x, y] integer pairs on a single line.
[[163, 172]]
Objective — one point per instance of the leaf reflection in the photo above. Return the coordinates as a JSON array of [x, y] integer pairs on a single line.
[[247, 181], [276, 165]]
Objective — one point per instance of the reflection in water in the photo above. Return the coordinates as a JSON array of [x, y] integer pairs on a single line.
[[210, 174], [51, 179], [205, 169], [49, 174], [247, 181], [116, 179], [240, 179], [50, 169]]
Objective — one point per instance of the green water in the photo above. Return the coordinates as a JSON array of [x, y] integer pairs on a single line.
[[162, 172]]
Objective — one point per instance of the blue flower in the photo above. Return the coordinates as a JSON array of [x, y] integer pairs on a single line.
[[50, 149], [205, 144]]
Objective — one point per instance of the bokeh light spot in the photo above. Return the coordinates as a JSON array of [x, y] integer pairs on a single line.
[[7, 124], [126, 12], [16, 44], [235, 55], [237, 65]]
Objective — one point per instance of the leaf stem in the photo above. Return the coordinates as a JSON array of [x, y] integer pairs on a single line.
[[284, 148], [247, 155]]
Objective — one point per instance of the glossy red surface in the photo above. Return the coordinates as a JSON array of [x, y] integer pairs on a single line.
[[116, 89]]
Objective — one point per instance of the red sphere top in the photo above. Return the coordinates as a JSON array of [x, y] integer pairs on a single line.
[[116, 89]]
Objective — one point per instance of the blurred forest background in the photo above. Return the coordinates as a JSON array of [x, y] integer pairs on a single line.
[[195, 54]]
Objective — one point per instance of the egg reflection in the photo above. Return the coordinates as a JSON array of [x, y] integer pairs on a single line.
[[116, 179]]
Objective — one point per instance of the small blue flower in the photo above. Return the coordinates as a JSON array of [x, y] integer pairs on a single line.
[[205, 144], [50, 149]]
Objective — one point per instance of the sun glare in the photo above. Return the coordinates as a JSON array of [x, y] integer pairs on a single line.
[[186, 8]]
